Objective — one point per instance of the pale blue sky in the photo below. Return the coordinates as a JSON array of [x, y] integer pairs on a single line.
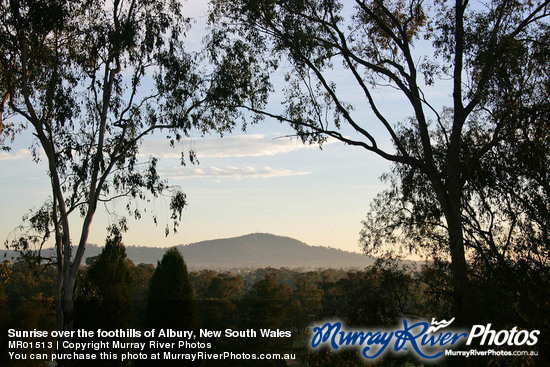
[[244, 183]]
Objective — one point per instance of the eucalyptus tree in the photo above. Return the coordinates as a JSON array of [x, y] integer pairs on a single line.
[[90, 80], [477, 53]]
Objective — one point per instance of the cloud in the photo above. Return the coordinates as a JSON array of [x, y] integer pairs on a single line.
[[253, 145], [231, 173], [20, 154]]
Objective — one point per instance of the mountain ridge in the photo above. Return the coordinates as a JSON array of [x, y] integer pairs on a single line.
[[254, 250], [268, 250]]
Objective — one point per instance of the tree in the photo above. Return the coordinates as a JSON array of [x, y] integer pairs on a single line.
[[266, 307], [406, 46], [27, 304], [171, 302], [105, 292], [92, 80], [505, 202], [140, 274], [265, 303]]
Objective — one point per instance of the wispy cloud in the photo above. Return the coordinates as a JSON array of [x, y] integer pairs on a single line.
[[20, 154], [231, 173], [253, 145]]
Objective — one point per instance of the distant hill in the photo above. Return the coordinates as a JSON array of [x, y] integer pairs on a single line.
[[250, 251], [262, 250]]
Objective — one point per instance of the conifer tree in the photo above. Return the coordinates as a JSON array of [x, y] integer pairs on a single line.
[[110, 278], [103, 301], [171, 303]]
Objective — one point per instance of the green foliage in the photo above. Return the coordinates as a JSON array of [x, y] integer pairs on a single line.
[[375, 297], [103, 297], [91, 79], [139, 289], [266, 302], [444, 200], [25, 305], [171, 301], [103, 300], [505, 199]]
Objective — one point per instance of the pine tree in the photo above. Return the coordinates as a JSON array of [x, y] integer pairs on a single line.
[[103, 300], [110, 274], [171, 302]]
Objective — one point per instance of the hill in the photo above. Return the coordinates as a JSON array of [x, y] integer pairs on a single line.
[[262, 250], [250, 251]]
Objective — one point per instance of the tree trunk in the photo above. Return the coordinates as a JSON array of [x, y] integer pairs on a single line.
[[68, 304], [58, 299], [459, 269], [65, 314], [450, 199]]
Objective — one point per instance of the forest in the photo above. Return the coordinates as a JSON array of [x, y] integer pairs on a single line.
[[114, 293]]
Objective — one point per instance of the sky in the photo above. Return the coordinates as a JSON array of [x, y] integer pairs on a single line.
[[244, 183], [250, 182]]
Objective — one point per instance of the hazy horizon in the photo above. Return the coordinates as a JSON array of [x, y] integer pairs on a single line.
[[254, 250]]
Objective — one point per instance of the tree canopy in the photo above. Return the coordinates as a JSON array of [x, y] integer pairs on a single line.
[[171, 303], [91, 80], [490, 58], [104, 293], [171, 300]]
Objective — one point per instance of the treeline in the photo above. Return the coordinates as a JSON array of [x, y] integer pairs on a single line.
[[114, 293]]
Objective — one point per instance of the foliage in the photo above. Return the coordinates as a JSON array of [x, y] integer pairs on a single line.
[[139, 289], [171, 302], [103, 295], [92, 79], [505, 200], [266, 302], [375, 297], [103, 298], [25, 305], [496, 59]]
